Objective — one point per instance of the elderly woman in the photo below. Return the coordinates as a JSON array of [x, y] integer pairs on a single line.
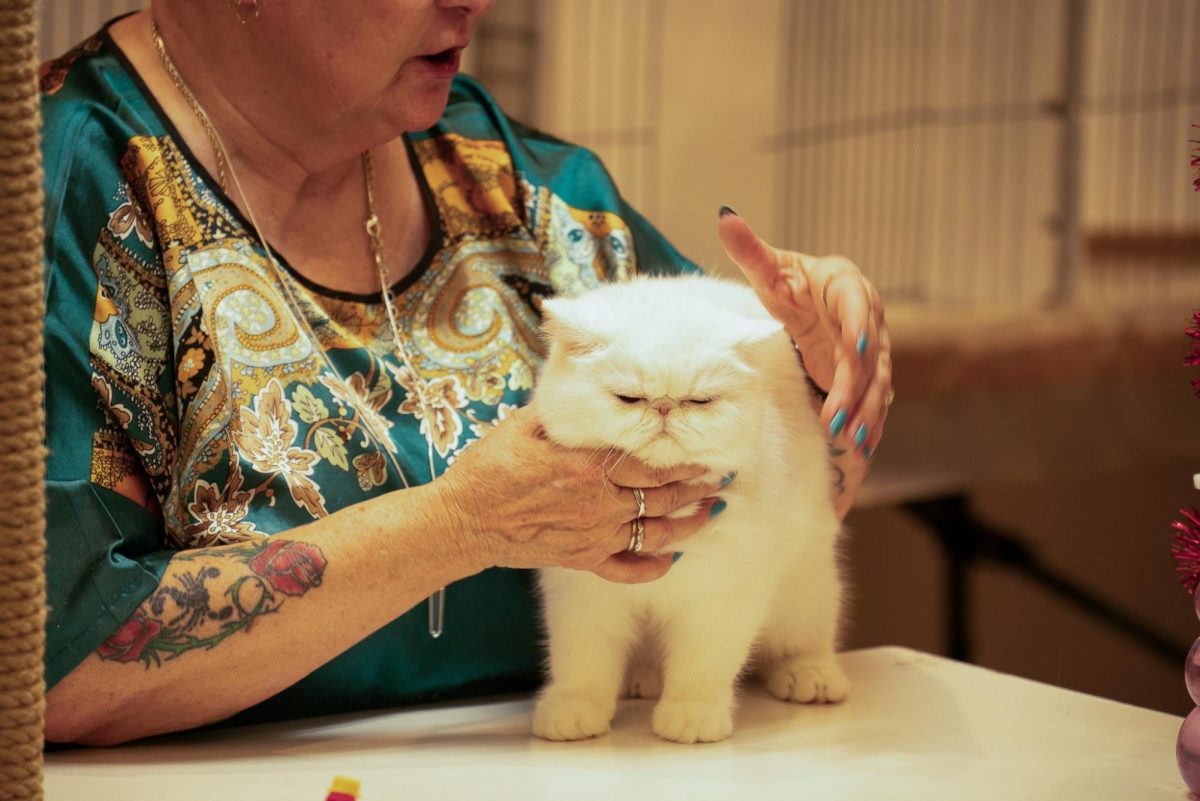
[[294, 271]]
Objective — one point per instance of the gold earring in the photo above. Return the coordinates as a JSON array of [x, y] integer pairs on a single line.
[[242, 9]]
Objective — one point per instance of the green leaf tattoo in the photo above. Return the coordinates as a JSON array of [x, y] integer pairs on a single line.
[[180, 617]]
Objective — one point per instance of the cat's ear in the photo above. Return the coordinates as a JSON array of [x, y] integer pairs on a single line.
[[563, 325]]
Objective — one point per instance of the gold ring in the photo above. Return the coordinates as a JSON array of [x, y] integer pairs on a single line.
[[640, 497], [891, 396], [638, 538]]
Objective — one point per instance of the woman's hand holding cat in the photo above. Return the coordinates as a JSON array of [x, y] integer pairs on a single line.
[[520, 500]]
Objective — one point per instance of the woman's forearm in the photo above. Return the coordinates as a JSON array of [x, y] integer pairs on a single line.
[[230, 626]]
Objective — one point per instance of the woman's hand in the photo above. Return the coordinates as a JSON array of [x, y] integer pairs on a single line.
[[835, 317], [523, 501]]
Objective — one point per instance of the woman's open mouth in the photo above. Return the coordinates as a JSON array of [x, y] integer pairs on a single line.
[[444, 63]]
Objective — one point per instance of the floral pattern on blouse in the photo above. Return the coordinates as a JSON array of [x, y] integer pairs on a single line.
[[250, 403]]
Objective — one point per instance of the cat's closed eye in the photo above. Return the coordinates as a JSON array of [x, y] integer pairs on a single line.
[[699, 401], [630, 399]]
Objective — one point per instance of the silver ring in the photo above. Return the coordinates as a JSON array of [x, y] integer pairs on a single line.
[[640, 497], [638, 538]]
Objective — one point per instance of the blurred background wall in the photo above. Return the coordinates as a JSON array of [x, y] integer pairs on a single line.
[[1013, 175]]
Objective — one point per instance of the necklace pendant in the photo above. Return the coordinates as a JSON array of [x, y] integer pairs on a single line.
[[372, 225], [437, 612]]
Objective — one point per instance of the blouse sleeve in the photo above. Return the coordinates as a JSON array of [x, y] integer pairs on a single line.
[[105, 363]]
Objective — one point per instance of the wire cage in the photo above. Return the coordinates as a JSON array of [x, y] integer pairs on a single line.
[[1013, 153], [969, 153], [66, 23]]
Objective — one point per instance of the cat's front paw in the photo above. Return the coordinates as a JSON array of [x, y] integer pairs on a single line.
[[805, 681], [692, 721], [570, 717]]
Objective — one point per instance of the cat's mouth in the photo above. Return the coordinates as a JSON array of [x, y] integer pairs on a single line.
[[661, 438]]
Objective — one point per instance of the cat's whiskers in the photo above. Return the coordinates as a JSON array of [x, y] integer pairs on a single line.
[[609, 451], [610, 470]]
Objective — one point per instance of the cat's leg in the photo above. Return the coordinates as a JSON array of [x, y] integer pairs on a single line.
[[589, 642], [704, 650], [797, 654]]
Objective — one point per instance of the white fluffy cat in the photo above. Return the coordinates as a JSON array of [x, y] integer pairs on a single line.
[[761, 580]]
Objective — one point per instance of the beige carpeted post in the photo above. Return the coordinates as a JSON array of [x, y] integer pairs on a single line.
[[22, 465]]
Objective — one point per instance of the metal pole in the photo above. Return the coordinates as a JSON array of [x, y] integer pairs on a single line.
[[1070, 173]]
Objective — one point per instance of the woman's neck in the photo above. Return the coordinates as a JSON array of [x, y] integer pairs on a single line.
[[305, 190]]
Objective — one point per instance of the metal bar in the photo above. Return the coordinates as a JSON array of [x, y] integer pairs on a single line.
[[785, 174], [1071, 155], [967, 541]]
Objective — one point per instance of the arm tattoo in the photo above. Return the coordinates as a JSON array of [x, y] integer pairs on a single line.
[[839, 475], [247, 581]]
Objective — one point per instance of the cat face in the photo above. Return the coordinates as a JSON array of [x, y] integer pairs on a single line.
[[661, 368]]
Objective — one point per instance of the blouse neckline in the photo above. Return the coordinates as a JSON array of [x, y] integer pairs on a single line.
[[436, 228]]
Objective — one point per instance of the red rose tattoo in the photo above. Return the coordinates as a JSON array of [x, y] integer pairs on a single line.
[[292, 568], [128, 643], [207, 595]]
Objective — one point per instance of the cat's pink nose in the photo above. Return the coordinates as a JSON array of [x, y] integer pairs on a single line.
[[663, 406]]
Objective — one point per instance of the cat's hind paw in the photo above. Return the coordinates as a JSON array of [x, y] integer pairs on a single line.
[[567, 717], [692, 721], [804, 681], [644, 681]]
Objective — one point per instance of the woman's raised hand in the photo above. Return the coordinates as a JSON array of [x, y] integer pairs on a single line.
[[520, 500], [835, 317]]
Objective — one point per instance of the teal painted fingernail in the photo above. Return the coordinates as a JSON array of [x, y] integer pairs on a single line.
[[717, 508], [860, 434], [867, 452], [675, 557], [838, 422], [726, 210], [727, 479], [862, 343]]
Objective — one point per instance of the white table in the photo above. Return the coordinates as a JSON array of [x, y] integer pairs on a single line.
[[916, 727]]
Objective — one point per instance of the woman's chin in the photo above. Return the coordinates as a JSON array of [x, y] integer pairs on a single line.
[[420, 108]]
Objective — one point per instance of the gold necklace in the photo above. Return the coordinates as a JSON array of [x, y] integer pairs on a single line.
[[205, 122], [437, 601]]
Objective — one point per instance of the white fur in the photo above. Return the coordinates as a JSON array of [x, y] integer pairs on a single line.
[[761, 579]]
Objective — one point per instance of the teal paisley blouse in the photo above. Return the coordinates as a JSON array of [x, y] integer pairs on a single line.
[[192, 399]]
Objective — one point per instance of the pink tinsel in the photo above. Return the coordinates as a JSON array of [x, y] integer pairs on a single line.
[[1186, 547], [1196, 162], [1193, 358]]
